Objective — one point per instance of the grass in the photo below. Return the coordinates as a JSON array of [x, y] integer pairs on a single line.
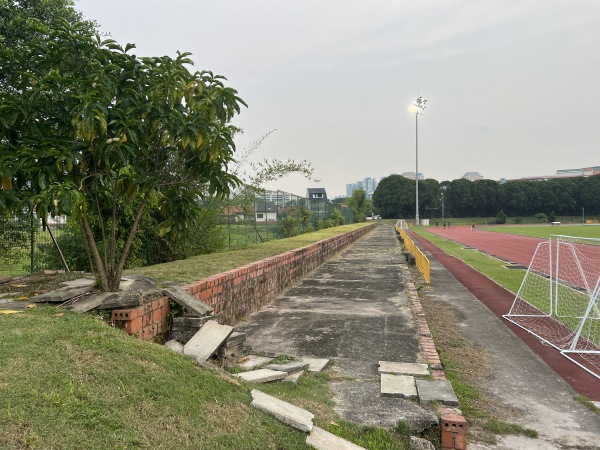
[[198, 267], [69, 381], [544, 231]]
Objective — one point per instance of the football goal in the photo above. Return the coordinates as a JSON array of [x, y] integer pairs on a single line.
[[558, 300]]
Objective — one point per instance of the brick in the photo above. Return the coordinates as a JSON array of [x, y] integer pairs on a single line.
[[125, 314], [133, 326]]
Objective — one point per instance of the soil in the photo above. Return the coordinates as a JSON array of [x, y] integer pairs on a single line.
[[34, 284]]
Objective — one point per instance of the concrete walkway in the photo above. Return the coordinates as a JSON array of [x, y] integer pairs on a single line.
[[354, 310]]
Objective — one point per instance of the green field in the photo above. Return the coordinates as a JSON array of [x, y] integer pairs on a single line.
[[544, 231]]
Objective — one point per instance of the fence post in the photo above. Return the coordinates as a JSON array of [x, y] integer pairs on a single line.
[[32, 242]]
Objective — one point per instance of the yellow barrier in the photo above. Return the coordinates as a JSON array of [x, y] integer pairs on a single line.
[[421, 261]]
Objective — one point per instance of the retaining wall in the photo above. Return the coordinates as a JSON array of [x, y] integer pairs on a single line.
[[238, 292]]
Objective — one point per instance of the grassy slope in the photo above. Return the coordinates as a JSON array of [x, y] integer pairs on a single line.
[[198, 267]]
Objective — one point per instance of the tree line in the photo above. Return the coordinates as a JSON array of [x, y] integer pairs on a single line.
[[395, 197]]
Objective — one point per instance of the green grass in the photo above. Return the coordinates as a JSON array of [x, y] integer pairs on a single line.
[[199, 267], [544, 231], [69, 381]]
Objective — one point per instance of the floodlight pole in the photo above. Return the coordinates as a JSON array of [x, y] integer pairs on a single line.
[[582, 215], [417, 108]]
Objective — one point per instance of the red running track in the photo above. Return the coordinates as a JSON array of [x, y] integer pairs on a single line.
[[499, 300]]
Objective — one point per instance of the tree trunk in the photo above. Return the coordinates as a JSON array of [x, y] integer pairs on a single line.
[[95, 254]]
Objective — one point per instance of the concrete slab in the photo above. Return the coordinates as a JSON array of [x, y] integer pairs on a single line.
[[252, 361], [315, 364], [402, 368], [194, 306], [324, 440], [401, 386], [79, 282], [438, 390], [62, 294], [90, 302], [207, 341], [262, 375], [290, 367], [286, 412], [174, 345], [294, 377]]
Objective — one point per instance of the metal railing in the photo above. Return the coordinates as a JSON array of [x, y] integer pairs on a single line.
[[421, 261]]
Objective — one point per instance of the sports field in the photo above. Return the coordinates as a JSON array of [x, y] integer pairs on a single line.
[[544, 231]]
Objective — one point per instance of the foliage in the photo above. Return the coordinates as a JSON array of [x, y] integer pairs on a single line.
[[518, 219], [541, 217], [15, 231], [501, 217], [89, 130], [358, 204]]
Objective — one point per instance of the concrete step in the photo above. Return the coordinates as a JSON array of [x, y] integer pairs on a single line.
[[207, 341], [401, 368]]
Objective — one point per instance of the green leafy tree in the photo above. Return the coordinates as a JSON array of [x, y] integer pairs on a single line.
[[501, 217], [358, 203], [88, 126], [394, 197]]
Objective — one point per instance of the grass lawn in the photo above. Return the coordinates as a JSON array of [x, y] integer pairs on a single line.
[[69, 381], [544, 231], [199, 267]]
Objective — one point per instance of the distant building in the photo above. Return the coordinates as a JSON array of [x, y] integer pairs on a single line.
[[563, 173], [278, 197], [472, 176], [411, 175], [265, 212], [316, 199], [367, 184]]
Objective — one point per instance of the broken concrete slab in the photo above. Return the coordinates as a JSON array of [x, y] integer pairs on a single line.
[[417, 443], [438, 390], [252, 361], [207, 341], [174, 345], [324, 440], [400, 386], [79, 282], [286, 412], [290, 367], [62, 294], [315, 364], [90, 302], [185, 327], [402, 368], [262, 375], [235, 339], [193, 306], [294, 376]]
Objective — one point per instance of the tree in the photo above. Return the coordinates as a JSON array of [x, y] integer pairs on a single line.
[[89, 125], [394, 197], [358, 204], [501, 217]]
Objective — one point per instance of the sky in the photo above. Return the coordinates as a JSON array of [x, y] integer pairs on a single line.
[[512, 86]]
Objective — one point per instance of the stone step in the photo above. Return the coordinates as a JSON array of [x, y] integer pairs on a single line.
[[290, 367], [286, 412], [262, 375], [252, 361], [315, 364]]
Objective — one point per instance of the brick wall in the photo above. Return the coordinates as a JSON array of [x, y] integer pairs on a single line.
[[146, 321], [238, 292]]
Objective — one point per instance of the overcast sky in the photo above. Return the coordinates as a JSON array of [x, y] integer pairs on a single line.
[[513, 87]]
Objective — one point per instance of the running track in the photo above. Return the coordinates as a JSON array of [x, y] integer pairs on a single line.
[[517, 249]]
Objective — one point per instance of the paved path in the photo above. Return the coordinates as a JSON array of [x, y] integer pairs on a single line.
[[354, 309], [522, 384]]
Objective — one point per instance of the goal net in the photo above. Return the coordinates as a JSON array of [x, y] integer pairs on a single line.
[[558, 300]]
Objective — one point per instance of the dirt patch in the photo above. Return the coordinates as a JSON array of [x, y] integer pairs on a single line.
[[37, 283]]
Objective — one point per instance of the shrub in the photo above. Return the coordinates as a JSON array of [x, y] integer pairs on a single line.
[[501, 217]]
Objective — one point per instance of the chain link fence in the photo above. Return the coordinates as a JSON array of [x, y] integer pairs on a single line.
[[26, 245]]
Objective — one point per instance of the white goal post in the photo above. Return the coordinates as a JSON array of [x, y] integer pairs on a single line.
[[558, 300]]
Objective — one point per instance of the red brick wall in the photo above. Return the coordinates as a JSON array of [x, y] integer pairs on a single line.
[[238, 292], [146, 321]]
